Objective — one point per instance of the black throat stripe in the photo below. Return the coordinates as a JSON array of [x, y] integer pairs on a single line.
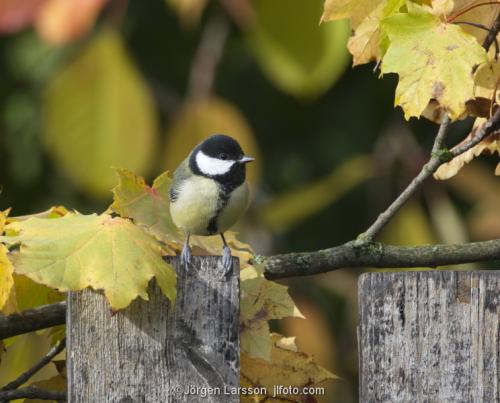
[[222, 202]]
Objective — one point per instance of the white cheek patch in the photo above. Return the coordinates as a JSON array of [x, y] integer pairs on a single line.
[[213, 166]]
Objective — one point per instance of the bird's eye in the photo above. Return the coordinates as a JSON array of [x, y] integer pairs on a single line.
[[223, 156]]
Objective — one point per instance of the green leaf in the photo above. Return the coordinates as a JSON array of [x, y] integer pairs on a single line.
[[98, 251], [434, 60], [98, 113], [297, 55], [147, 206], [261, 301]]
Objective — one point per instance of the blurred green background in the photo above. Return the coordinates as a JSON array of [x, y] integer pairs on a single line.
[[87, 85]]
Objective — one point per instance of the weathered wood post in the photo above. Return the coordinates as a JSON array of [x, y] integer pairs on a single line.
[[153, 352], [430, 336]]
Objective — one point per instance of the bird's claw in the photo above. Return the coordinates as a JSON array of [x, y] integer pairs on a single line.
[[186, 256], [227, 260]]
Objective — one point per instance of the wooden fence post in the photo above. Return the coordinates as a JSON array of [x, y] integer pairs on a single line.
[[430, 336], [152, 353]]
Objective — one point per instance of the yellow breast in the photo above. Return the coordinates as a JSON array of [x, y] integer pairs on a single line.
[[195, 205]]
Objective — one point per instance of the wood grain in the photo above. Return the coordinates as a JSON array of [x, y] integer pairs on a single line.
[[430, 336], [155, 352]]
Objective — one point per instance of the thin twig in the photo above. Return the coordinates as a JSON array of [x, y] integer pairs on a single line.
[[31, 392], [492, 34], [437, 158], [428, 169], [467, 9], [441, 135], [208, 56], [35, 368], [491, 126]]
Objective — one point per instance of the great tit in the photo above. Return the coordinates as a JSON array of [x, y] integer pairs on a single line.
[[209, 192]]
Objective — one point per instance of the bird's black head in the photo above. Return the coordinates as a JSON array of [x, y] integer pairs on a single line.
[[221, 158], [221, 147]]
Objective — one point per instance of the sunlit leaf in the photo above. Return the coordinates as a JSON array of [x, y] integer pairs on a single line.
[[98, 251], [261, 301], [487, 81], [3, 219], [30, 294], [299, 56], [146, 205], [356, 10], [53, 212], [288, 367], [286, 211], [198, 120], [61, 21], [99, 113], [442, 7], [366, 43], [434, 60]]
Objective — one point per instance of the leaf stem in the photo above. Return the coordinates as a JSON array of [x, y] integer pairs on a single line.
[[467, 9]]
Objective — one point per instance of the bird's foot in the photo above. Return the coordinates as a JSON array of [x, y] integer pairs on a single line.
[[227, 260], [186, 256]]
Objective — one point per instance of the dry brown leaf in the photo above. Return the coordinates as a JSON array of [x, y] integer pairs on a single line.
[[488, 145]]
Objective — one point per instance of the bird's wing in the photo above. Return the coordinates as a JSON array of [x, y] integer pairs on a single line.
[[180, 175]]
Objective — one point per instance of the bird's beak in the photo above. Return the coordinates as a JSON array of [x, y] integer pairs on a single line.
[[245, 159]]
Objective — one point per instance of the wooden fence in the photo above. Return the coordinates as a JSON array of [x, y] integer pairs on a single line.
[[428, 336]]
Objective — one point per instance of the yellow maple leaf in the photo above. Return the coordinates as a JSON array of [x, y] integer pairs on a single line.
[[486, 81], [146, 205], [98, 251], [261, 301], [288, 367], [434, 60]]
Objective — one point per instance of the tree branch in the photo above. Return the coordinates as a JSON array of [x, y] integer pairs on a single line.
[[427, 170], [35, 368], [30, 320], [31, 392], [371, 254]]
